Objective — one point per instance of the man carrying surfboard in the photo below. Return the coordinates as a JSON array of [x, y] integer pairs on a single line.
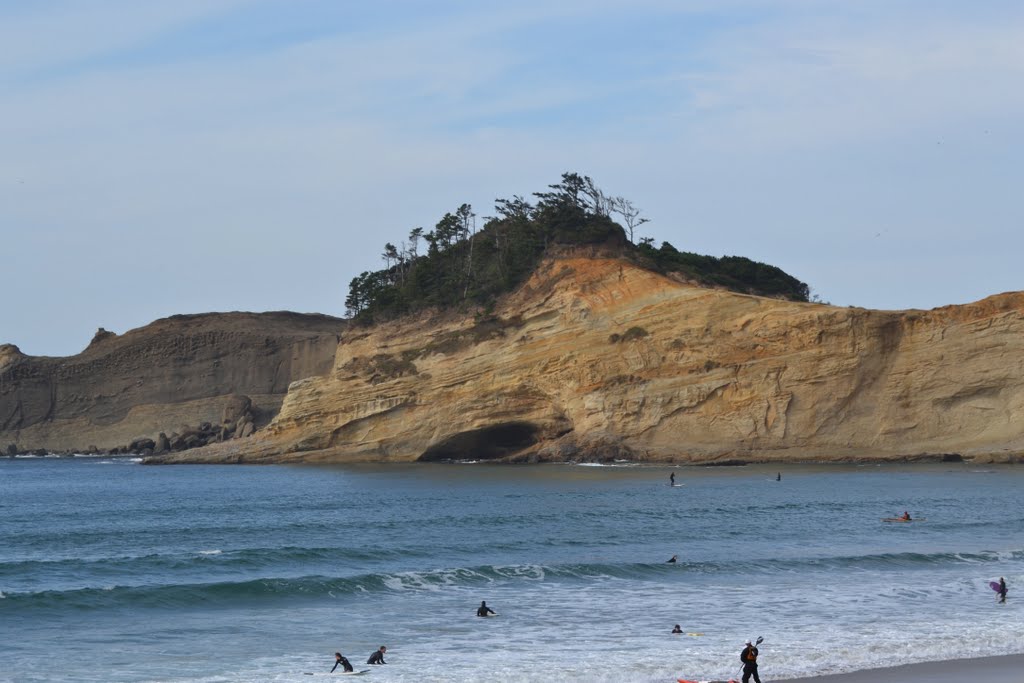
[[340, 660], [484, 610], [1002, 589]]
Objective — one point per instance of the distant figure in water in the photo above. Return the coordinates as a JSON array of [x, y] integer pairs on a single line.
[[906, 516], [344, 663], [672, 479], [484, 610], [1002, 589], [675, 629], [778, 477], [672, 560], [378, 656]]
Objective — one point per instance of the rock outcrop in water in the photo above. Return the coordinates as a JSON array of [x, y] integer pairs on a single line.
[[595, 358], [178, 383]]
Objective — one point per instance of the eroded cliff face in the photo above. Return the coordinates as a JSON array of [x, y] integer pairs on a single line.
[[598, 359], [174, 374]]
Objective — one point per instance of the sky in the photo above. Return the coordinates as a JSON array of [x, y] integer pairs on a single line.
[[217, 155]]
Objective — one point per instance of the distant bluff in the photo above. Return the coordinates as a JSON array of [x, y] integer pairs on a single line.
[[594, 358], [196, 378]]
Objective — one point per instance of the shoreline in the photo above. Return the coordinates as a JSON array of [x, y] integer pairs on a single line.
[[994, 668]]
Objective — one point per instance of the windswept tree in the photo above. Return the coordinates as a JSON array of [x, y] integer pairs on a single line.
[[630, 215]]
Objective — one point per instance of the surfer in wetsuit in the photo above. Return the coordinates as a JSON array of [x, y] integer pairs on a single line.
[[345, 664], [676, 629], [1002, 589], [483, 610], [906, 516], [378, 656], [749, 659], [778, 477], [671, 560], [672, 479]]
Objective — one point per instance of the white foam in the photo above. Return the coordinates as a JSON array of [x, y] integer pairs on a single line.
[[215, 551]]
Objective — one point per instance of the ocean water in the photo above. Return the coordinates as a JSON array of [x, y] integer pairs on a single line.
[[114, 571]]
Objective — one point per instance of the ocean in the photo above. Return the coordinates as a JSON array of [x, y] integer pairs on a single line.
[[115, 571]]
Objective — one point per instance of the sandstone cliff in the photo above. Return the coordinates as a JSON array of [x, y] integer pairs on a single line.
[[596, 358], [172, 375]]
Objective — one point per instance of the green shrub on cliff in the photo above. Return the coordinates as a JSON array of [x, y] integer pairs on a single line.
[[466, 267]]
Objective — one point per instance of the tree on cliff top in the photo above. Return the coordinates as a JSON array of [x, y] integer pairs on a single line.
[[465, 267]]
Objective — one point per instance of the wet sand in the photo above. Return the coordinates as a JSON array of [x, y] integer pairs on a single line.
[[1005, 668]]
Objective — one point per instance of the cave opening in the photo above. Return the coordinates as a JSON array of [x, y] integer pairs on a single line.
[[487, 443]]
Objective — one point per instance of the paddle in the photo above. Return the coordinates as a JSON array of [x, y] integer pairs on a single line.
[[760, 639]]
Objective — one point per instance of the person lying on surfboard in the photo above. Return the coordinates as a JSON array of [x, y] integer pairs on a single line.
[[345, 664], [671, 560], [484, 610]]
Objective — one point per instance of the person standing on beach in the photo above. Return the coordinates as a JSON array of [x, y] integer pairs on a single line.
[[344, 663], [378, 657], [749, 659], [1002, 589]]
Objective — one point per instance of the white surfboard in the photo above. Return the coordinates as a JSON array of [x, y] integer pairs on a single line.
[[338, 673]]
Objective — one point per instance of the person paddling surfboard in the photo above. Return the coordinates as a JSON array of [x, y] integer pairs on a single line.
[[339, 660]]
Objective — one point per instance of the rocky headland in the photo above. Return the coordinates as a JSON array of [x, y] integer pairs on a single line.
[[596, 358], [178, 383]]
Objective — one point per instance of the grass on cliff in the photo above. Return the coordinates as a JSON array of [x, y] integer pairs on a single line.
[[465, 268]]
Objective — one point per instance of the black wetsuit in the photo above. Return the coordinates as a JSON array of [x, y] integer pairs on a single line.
[[749, 659], [484, 611], [378, 658], [1002, 590], [345, 665]]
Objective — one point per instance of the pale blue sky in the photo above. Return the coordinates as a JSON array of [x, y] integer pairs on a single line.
[[212, 155]]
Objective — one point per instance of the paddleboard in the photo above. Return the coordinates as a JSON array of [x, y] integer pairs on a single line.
[[900, 519], [488, 615], [675, 486], [994, 585]]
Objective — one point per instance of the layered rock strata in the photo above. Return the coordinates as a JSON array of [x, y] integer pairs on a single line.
[[595, 358], [177, 383]]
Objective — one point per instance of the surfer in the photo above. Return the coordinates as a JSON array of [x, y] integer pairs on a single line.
[[1002, 589], [672, 479], [778, 477], [378, 657], [484, 610], [749, 659], [345, 664], [906, 516], [671, 560], [676, 629]]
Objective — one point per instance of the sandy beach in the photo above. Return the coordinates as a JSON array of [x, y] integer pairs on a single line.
[[1006, 668]]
